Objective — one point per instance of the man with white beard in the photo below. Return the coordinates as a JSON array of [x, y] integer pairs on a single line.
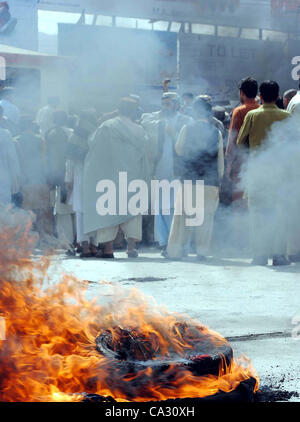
[[163, 128], [118, 146]]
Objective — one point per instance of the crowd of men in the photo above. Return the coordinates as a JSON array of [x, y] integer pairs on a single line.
[[52, 166]]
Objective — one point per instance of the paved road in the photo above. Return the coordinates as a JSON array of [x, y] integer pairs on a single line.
[[255, 307]]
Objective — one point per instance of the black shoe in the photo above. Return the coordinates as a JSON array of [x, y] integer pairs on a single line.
[[71, 252], [294, 258], [201, 258], [280, 260], [260, 260]]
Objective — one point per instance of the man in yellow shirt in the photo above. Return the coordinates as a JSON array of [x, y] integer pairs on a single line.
[[268, 238], [258, 122]]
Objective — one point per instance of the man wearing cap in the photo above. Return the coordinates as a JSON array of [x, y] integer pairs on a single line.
[[115, 113], [163, 128], [200, 144]]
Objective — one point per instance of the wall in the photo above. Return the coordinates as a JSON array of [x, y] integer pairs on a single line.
[[217, 64]]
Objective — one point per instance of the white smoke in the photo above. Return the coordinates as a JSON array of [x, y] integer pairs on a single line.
[[270, 177]]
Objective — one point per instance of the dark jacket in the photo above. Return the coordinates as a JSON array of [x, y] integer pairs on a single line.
[[201, 150]]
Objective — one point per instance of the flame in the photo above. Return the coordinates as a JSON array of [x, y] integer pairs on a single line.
[[49, 352]]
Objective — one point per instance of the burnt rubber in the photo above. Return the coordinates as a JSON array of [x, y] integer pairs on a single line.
[[205, 359]]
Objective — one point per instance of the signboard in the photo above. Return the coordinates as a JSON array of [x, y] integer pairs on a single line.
[[170, 8], [19, 24], [220, 12], [215, 65], [282, 15]]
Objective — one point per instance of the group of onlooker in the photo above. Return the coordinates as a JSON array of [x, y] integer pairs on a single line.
[[52, 165]]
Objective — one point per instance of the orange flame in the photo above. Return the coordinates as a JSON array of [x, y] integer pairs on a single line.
[[49, 352]]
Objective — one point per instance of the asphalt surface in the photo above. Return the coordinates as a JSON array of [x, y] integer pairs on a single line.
[[256, 308]]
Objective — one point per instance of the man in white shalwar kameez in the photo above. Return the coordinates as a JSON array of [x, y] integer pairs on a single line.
[[9, 168], [165, 127], [200, 144], [119, 145]]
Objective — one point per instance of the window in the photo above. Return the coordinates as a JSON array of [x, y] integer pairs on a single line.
[[104, 20], [144, 24], [175, 26], [227, 31], [126, 22], [250, 33], [160, 26], [198, 28], [274, 35]]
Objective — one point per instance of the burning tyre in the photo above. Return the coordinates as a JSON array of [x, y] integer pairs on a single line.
[[60, 346], [201, 353]]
